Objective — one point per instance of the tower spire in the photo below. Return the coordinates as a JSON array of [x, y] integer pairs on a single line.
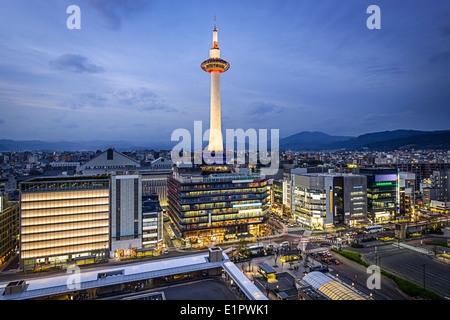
[[215, 44]]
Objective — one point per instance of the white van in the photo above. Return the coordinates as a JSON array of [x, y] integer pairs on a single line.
[[285, 243]]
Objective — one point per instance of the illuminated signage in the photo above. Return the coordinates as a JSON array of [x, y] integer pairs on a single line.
[[384, 183], [385, 177]]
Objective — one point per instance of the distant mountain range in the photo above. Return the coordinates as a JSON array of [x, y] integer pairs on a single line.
[[385, 140], [302, 141]]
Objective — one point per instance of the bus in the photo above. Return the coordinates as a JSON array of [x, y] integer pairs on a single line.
[[255, 249], [373, 229]]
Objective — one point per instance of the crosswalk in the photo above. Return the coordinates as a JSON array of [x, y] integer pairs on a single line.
[[417, 249]]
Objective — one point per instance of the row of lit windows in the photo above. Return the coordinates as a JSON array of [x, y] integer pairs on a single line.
[[219, 224], [222, 217], [63, 211], [63, 195], [219, 205], [221, 191], [380, 205], [150, 223], [243, 196], [65, 250], [64, 242], [63, 235], [64, 227], [64, 203], [381, 195], [65, 219], [224, 185], [204, 212]]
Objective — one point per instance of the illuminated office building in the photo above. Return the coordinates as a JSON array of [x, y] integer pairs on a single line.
[[9, 228], [383, 194], [407, 190], [63, 219], [217, 207], [324, 200], [126, 213], [152, 222]]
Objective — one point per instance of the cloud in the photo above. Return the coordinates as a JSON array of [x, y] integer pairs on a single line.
[[138, 99], [440, 57], [90, 99], [143, 98], [75, 63], [387, 69], [262, 109], [113, 11]]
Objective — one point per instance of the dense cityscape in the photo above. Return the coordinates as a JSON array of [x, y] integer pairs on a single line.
[[116, 199], [316, 204]]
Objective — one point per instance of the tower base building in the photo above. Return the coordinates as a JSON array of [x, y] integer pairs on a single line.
[[217, 207]]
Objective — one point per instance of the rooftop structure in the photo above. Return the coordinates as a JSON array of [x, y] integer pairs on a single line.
[[42, 287], [331, 288]]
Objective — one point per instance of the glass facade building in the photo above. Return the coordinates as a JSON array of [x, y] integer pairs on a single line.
[[383, 194], [324, 200], [218, 207], [63, 218], [9, 228], [152, 222]]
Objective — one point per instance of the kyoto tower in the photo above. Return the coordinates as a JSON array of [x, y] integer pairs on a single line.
[[215, 66]]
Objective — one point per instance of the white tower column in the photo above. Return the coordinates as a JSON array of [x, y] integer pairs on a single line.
[[215, 133]]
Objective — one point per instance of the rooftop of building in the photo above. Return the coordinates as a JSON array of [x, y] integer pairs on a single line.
[[330, 287], [65, 283]]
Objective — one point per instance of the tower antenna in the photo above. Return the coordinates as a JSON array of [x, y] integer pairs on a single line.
[[214, 22]]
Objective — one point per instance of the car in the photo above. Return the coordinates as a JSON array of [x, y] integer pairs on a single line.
[[327, 261], [314, 255], [321, 269], [335, 261], [326, 255], [166, 251], [285, 243]]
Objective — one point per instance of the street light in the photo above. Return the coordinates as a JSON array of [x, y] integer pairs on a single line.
[[424, 276]]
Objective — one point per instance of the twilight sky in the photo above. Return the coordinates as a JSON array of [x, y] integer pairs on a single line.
[[132, 72]]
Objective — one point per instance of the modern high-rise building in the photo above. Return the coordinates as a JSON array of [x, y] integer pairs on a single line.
[[217, 207], [126, 213], [9, 228], [277, 197], [63, 219], [383, 194], [324, 200], [407, 192], [152, 222]]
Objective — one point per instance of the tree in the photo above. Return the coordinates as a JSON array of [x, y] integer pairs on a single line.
[[243, 248]]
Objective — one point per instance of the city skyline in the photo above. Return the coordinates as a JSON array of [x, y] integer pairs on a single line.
[[132, 71]]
